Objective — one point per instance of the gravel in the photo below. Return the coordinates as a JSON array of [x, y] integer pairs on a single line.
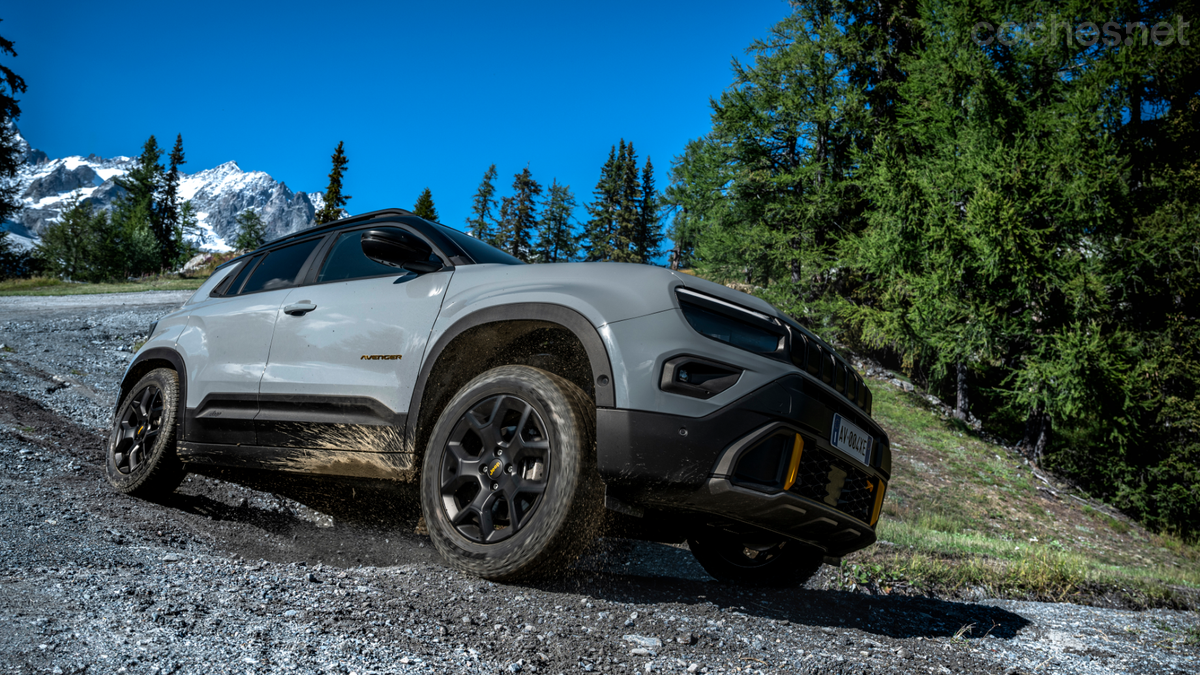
[[256, 573]]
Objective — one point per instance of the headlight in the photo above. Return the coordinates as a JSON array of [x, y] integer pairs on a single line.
[[733, 324]]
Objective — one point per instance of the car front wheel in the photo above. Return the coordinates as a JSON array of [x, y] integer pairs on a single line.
[[140, 455], [509, 487]]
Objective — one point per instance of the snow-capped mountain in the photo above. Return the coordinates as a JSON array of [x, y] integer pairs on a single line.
[[218, 195]]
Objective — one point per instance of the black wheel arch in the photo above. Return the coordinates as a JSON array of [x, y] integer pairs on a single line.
[[516, 319], [148, 360]]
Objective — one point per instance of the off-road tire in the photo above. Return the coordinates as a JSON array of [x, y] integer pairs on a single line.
[[754, 560], [558, 528], [153, 471]]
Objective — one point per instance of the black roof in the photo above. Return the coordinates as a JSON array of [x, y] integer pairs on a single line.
[[425, 227], [341, 223]]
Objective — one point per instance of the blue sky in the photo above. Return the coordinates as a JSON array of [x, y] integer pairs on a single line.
[[423, 94]]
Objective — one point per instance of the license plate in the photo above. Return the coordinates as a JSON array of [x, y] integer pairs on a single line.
[[851, 440]]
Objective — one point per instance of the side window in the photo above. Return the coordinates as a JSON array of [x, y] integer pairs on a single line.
[[232, 288], [347, 261], [280, 268]]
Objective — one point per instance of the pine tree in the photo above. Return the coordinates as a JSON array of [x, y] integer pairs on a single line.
[[170, 232], [629, 193], [86, 245], [556, 240], [191, 236], [12, 263], [518, 216], [504, 227], [696, 196], [482, 224], [251, 231], [776, 194], [335, 201], [11, 84], [601, 226], [649, 232], [424, 207], [66, 246], [137, 216]]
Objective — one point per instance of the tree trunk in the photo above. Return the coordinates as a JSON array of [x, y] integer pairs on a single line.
[[795, 261], [1037, 434], [961, 408], [675, 253]]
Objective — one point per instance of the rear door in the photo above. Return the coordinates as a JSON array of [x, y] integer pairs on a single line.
[[227, 340], [346, 350]]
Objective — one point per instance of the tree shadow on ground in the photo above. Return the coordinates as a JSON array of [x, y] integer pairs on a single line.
[[374, 525], [645, 572]]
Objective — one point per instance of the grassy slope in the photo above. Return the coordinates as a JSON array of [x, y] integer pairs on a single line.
[[967, 517], [50, 286]]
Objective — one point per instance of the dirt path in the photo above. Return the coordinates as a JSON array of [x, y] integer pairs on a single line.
[[259, 574]]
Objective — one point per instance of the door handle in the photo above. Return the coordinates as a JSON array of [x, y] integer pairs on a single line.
[[300, 308]]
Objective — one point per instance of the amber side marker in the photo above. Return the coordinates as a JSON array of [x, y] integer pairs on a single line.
[[794, 464], [877, 486]]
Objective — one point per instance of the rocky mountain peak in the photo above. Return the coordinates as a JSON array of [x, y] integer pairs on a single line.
[[218, 195]]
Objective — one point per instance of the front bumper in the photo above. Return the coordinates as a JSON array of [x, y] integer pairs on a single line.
[[719, 469]]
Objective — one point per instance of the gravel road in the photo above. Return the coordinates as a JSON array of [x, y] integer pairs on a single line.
[[254, 573]]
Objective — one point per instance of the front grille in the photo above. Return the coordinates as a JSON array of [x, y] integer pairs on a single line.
[[817, 480], [816, 360]]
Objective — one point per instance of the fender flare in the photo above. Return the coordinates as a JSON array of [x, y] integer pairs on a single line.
[[566, 317], [157, 354]]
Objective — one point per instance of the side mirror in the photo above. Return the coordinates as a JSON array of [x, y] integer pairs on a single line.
[[398, 249]]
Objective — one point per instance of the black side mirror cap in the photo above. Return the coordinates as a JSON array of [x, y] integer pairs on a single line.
[[399, 249]]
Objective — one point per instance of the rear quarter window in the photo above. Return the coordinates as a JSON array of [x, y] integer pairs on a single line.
[[280, 269]]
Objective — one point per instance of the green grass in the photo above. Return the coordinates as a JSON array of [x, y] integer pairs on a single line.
[[962, 514], [40, 286]]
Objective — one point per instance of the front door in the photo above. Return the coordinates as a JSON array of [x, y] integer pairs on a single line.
[[346, 351], [226, 343]]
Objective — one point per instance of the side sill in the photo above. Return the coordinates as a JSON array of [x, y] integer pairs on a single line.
[[317, 461]]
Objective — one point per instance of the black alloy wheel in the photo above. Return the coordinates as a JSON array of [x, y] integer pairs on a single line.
[[138, 429], [508, 483], [495, 468], [140, 457]]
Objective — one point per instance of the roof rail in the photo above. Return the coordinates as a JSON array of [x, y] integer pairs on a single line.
[[338, 223]]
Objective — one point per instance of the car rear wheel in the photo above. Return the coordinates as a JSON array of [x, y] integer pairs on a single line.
[[508, 485], [754, 560], [140, 457]]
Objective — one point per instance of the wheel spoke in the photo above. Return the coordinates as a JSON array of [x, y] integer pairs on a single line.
[[453, 482], [464, 516], [504, 406], [528, 487], [135, 455], [487, 527], [483, 418], [519, 437], [144, 403]]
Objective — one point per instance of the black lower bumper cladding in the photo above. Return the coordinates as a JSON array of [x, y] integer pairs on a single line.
[[725, 465]]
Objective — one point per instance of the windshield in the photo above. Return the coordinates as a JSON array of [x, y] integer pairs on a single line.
[[479, 251]]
